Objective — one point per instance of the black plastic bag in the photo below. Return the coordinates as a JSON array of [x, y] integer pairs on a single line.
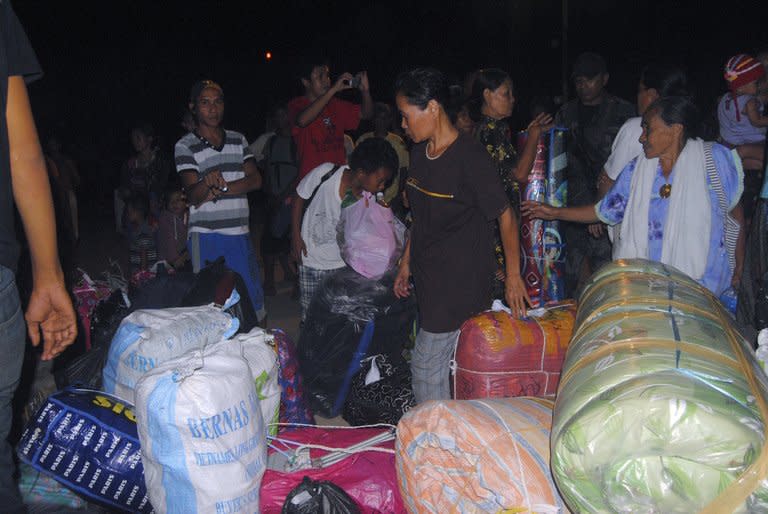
[[214, 284], [106, 318], [85, 369], [164, 291], [383, 401], [330, 347], [319, 497]]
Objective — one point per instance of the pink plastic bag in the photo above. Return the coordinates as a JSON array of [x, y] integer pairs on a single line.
[[371, 238], [368, 477]]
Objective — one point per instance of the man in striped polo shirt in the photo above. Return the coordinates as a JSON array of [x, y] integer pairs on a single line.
[[217, 171]]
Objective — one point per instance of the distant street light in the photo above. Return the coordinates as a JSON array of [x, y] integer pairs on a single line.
[[268, 55]]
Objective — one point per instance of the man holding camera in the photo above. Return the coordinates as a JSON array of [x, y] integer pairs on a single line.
[[320, 119]]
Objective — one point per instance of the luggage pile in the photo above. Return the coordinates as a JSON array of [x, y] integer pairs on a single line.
[[185, 406], [661, 407]]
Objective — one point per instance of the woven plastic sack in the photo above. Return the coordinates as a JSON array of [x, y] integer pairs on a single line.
[[87, 441], [370, 238], [147, 338], [500, 356], [202, 433], [261, 357], [477, 456]]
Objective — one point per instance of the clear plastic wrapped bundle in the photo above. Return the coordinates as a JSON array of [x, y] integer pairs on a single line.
[[661, 405]]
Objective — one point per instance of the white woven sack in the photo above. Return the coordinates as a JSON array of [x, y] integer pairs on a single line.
[[202, 435], [147, 338], [262, 358]]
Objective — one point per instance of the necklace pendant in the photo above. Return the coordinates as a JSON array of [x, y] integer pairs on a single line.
[[665, 190]]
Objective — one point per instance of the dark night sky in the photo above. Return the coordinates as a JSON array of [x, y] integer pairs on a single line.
[[108, 64]]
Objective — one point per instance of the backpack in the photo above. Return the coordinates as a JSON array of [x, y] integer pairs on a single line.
[[281, 165]]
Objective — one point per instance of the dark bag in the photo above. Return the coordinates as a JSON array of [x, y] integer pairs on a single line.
[[319, 497], [85, 369], [282, 168], [281, 163], [349, 318], [107, 316], [163, 291], [280, 220], [214, 284], [382, 401]]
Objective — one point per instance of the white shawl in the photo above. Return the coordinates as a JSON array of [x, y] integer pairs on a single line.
[[687, 229]]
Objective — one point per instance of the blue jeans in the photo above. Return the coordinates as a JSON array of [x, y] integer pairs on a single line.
[[12, 340], [430, 365]]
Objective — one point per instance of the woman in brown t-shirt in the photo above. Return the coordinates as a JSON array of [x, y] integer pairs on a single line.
[[455, 194]]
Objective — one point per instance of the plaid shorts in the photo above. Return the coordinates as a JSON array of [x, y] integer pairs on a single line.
[[309, 282], [431, 364]]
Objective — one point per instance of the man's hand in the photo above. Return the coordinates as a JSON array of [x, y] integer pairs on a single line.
[[596, 230], [298, 248], [50, 311], [342, 83], [516, 295], [215, 180], [537, 210]]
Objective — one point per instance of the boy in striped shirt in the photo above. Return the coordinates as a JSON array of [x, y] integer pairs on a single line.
[[217, 171]]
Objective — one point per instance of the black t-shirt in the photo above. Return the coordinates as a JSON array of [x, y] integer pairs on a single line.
[[453, 199], [591, 131], [16, 58]]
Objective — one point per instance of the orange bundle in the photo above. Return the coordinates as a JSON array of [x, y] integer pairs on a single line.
[[499, 356], [477, 456]]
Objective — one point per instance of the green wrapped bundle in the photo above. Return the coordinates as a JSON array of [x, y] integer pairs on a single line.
[[661, 405]]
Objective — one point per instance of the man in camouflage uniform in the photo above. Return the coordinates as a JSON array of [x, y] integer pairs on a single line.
[[593, 119]]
